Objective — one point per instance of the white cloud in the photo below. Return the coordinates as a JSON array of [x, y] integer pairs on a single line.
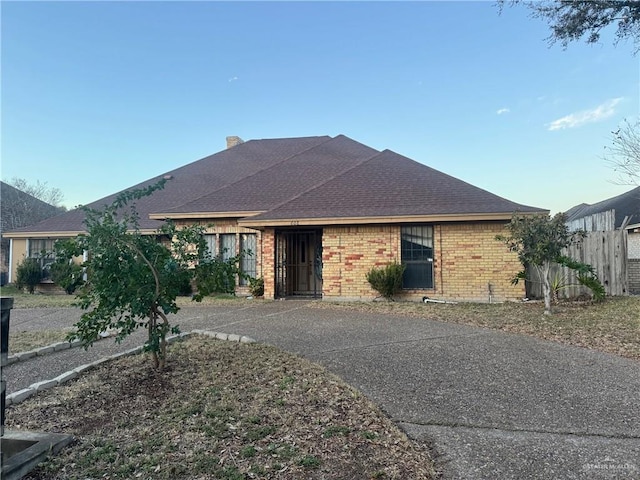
[[233, 79], [577, 119], [503, 111]]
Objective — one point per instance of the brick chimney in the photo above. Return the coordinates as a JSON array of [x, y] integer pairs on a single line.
[[233, 141]]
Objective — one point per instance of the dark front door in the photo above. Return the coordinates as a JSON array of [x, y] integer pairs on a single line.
[[299, 263]]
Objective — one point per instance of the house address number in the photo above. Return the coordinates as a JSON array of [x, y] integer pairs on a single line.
[[295, 222]]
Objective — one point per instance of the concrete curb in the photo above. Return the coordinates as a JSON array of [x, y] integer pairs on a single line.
[[39, 352], [21, 395], [225, 336]]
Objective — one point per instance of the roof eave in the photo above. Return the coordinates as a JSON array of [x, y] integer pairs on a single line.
[[64, 234], [461, 217], [60, 234], [634, 226]]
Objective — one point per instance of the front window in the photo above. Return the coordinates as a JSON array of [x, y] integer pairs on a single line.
[[248, 261], [211, 241], [417, 256], [228, 246], [42, 250]]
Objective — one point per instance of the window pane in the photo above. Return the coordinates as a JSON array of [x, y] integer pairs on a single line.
[[417, 275], [417, 256], [211, 244], [248, 262], [42, 249], [228, 246]]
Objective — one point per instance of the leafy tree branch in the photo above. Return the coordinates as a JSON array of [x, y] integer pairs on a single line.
[[573, 20], [133, 279], [540, 241]]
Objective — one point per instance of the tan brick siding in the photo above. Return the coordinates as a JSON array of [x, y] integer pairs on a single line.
[[267, 254], [348, 253], [467, 259]]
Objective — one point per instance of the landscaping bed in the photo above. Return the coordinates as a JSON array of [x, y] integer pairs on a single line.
[[220, 410]]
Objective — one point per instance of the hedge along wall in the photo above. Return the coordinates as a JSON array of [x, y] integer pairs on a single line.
[[229, 226]]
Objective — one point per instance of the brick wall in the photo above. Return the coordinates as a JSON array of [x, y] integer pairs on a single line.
[[348, 253], [467, 260], [470, 259], [267, 255], [633, 275]]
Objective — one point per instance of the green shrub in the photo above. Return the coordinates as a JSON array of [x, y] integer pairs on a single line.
[[256, 286], [67, 275], [28, 274], [218, 275], [387, 280], [586, 275]]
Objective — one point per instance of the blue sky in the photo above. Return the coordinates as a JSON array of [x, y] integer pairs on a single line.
[[98, 96]]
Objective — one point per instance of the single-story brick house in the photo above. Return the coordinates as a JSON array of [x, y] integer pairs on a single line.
[[319, 212]]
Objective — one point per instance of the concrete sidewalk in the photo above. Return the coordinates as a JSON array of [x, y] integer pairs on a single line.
[[492, 405]]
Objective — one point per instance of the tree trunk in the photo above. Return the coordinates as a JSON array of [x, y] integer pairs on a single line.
[[154, 354]]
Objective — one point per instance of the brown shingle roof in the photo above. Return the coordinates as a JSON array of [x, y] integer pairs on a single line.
[[194, 180], [390, 185], [283, 181], [626, 204], [308, 177]]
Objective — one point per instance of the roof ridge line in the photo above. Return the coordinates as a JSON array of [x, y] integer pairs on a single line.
[[226, 185]]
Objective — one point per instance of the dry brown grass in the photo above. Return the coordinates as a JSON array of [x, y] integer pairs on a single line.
[[29, 340], [220, 411], [611, 326], [61, 300]]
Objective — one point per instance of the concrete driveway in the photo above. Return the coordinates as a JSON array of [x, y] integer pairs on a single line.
[[492, 405]]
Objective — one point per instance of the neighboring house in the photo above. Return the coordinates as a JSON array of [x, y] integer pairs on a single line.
[[19, 209], [320, 212], [621, 211]]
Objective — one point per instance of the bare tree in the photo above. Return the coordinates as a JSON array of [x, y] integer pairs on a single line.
[[624, 153], [40, 190], [25, 204]]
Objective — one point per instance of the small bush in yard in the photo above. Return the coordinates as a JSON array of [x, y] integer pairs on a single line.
[[256, 286], [28, 274], [387, 280], [67, 275]]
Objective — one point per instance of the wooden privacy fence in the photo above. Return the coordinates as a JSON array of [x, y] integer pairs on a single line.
[[605, 251], [594, 222]]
